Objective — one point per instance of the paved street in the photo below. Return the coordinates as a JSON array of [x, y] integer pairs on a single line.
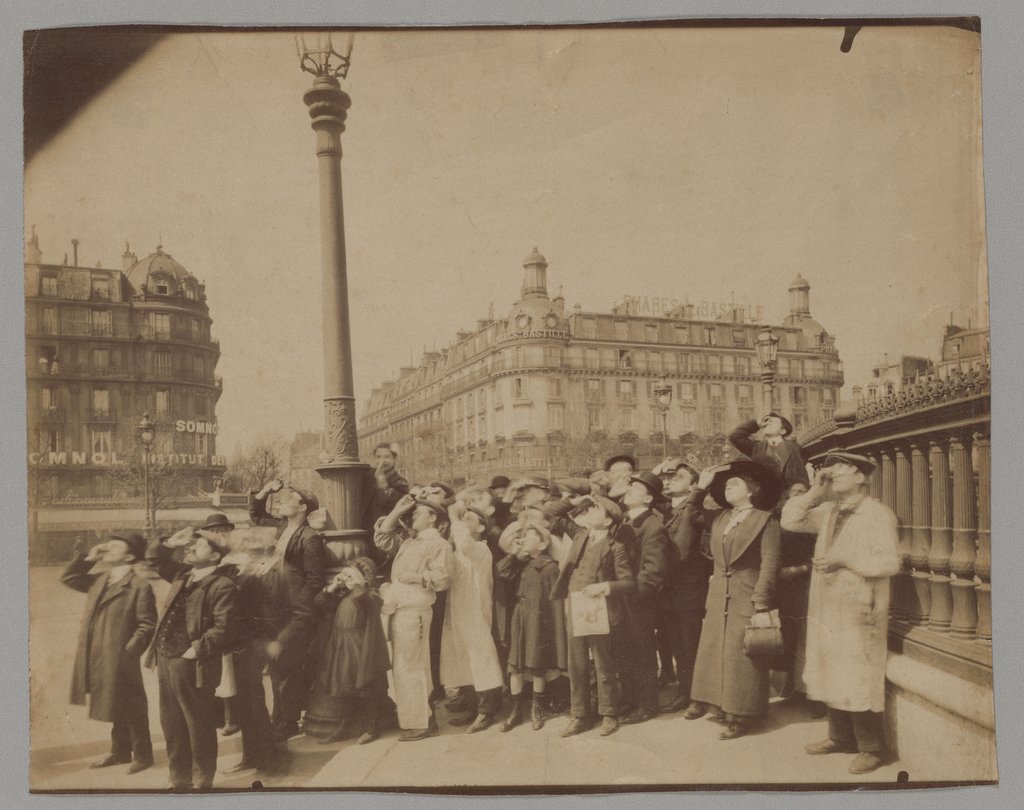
[[666, 751]]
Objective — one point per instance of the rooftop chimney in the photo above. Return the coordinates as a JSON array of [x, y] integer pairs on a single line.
[[33, 255], [128, 259], [74, 249]]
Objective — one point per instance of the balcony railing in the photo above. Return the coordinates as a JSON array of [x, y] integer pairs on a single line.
[[103, 415], [931, 446]]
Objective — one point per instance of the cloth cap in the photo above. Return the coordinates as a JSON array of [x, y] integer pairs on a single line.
[[787, 426], [862, 463], [364, 565]]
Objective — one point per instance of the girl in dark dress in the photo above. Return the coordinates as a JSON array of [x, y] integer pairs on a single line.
[[354, 661], [538, 641]]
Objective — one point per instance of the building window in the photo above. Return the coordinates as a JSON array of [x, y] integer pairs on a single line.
[[717, 420], [654, 362], [593, 359], [687, 392], [201, 443], [481, 425], [796, 368], [48, 285], [684, 362], [102, 325], [194, 329], [161, 325], [595, 389], [714, 364], [715, 391], [100, 402], [709, 336], [200, 404], [99, 441], [48, 321], [595, 419], [162, 362], [199, 366], [588, 328], [520, 387], [776, 398], [627, 390], [162, 402], [651, 332], [621, 330], [742, 365], [689, 421], [163, 285], [799, 396], [553, 356], [48, 441], [554, 417], [626, 420], [100, 288], [739, 337], [625, 359], [555, 388], [101, 359]]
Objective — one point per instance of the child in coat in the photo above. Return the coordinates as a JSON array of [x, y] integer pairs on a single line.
[[538, 641], [353, 653]]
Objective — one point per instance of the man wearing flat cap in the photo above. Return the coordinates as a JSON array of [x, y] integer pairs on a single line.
[[856, 553], [775, 444], [299, 574], [120, 615], [643, 534]]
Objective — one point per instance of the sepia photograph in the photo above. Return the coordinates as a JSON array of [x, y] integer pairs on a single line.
[[489, 410]]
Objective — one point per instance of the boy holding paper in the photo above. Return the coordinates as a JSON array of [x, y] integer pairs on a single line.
[[597, 571]]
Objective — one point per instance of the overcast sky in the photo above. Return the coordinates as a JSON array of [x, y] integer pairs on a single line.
[[662, 162]]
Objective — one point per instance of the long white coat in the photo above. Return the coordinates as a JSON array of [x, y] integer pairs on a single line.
[[468, 654], [848, 613]]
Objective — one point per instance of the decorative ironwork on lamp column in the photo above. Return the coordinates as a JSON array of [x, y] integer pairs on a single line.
[[663, 396], [147, 434], [767, 345]]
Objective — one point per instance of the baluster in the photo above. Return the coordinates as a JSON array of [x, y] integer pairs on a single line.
[[875, 483], [920, 533], [910, 607], [898, 606], [961, 562], [940, 615], [983, 561]]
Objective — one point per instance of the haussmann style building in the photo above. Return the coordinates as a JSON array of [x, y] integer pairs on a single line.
[[103, 347], [551, 392]]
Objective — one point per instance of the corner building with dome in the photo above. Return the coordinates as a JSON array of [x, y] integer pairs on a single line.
[[103, 347], [548, 391]]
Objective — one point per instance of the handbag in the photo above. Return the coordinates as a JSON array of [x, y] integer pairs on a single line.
[[764, 640]]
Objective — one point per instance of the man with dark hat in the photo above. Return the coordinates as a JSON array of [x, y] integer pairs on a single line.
[[619, 468], [298, 575], [687, 571], [643, 534], [774, 444], [856, 553], [195, 629], [502, 513], [120, 615]]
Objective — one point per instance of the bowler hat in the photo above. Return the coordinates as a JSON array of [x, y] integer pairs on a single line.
[[621, 457], [612, 509], [862, 463], [787, 426], [574, 486], [217, 520], [499, 482], [439, 511], [766, 474], [670, 467], [135, 541], [651, 481]]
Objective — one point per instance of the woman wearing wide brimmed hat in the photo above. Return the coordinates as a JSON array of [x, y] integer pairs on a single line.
[[745, 548]]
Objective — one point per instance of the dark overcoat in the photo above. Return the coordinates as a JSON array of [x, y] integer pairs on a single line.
[[611, 564], [116, 629], [687, 570], [746, 568], [539, 639], [787, 453], [210, 613]]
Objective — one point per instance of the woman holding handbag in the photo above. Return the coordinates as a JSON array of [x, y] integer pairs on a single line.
[[745, 547]]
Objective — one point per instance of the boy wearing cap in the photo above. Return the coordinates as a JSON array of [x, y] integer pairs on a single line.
[[299, 574], [597, 566], [643, 534], [856, 553], [120, 615], [195, 628], [774, 444]]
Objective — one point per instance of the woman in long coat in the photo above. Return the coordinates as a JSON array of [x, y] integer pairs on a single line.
[[745, 548]]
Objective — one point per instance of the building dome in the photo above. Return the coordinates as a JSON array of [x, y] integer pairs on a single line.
[[159, 269], [799, 283], [535, 257]]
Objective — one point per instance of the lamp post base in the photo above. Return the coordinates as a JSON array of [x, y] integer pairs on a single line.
[[343, 485]]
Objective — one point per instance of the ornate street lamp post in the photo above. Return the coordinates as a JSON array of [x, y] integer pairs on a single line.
[[147, 433], [341, 472], [767, 345], [663, 395]]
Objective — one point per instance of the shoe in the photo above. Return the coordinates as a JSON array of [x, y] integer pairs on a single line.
[[367, 737], [515, 716], [109, 760], [536, 715], [228, 730], [463, 719], [413, 734], [830, 746], [481, 722], [866, 762], [139, 765], [238, 767], [608, 726], [694, 711], [576, 726], [732, 731], [677, 705], [637, 716]]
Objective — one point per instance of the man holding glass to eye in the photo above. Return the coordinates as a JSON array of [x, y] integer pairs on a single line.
[[856, 553]]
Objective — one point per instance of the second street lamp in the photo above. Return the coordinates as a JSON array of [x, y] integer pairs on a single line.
[[147, 433], [767, 345], [663, 396]]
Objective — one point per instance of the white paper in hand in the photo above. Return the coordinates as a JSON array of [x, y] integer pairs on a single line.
[[589, 614]]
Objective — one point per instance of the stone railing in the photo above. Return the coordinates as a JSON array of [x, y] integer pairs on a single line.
[[931, 447]]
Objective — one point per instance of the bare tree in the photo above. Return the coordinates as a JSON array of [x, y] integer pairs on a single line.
[[264, 460]]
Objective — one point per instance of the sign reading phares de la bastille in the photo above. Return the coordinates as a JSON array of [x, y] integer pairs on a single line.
[[664, 307]]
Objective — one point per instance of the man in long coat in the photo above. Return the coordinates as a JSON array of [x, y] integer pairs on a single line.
[[120, 616], [856, 553], [775, 445]]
